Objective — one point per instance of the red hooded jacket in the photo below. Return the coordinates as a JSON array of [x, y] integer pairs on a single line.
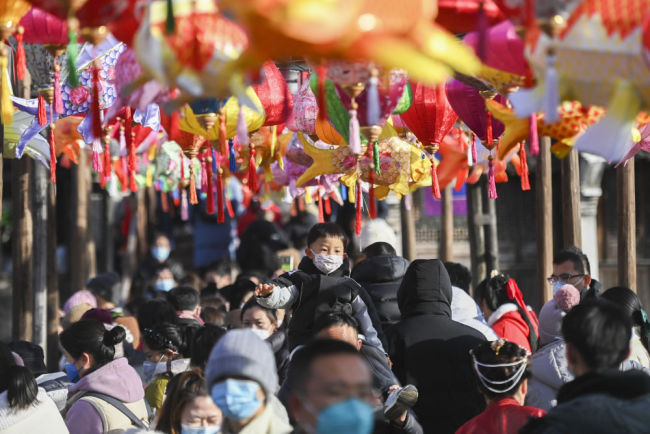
[[507, 323]]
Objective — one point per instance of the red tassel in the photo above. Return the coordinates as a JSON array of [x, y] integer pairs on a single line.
[[328, 206], [321, 215], [107, 161], [164, 201], [21, 64], [58, 101], [42, 114], [133, 184], [231, 212], [359, 205], [94, 107], [525, 182], [223, 133], [52, 155], [435, 186], [322, 103], [193, 197], [372, 207], [97, 161], [488, 131], [124, 177], [252, 171], [220, 214], [209, 205], [534, 135], [492, 187], [129, 136]]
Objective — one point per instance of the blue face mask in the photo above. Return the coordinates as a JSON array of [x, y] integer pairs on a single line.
[[72, 372], [210, 429], [237, 399], [160, 253], [165, 285], [351, 416], [557, 286]]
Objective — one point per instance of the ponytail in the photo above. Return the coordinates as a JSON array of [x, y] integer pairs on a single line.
[[90, 336], [21, 387]]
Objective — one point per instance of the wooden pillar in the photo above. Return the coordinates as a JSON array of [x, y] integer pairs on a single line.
[[39, 255], [52, 284], [447, 225], [22, 249], [571, 220], [475, 230], [491, 238], [79, 259], [408, 228], [141, 219], [544, 213], [626, 208]]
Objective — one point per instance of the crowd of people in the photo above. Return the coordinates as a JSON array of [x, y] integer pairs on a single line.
[[348, 343]]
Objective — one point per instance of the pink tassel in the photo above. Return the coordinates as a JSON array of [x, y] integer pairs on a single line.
[[185, 212], [355, 138], [492, 187], [242, 128], [97, 151], [58, 101], [534, 135]]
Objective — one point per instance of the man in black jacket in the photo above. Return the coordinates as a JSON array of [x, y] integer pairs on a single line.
[[380, 273], [601, 399], [431, 351]]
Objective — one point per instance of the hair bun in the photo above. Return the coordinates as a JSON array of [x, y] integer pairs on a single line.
[[114, 336]]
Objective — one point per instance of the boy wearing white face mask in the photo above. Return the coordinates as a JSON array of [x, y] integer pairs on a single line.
[[320, 284]]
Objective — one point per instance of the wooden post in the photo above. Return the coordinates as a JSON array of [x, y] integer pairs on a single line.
[[52, 284], [141, 219], [475, 230], [571, 220], [447, 225], [491, 238], [40, 202], [544, 213], [408, 228], [626, 225], [22, 249], [79, 260]]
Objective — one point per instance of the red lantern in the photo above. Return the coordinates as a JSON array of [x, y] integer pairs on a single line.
[[274, 95], [430, 118], [462, 16]]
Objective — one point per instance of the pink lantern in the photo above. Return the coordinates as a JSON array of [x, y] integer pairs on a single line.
[[504, 50], [44, 28], [469, 104]]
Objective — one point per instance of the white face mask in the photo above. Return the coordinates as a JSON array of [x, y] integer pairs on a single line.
[[327, 264], [263, 334]]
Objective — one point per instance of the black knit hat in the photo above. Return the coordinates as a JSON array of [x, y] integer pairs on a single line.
[[106, 285]]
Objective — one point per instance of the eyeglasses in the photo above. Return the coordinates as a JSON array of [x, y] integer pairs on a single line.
[[562, 278]]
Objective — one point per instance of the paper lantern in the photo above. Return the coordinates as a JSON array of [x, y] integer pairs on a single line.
[[194, 57], [504, 52], [305, 110], [274, 95], [462, 16], [430, 118], [469, 104]]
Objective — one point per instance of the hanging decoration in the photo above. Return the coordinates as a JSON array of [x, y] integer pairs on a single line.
[[430, 118]]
